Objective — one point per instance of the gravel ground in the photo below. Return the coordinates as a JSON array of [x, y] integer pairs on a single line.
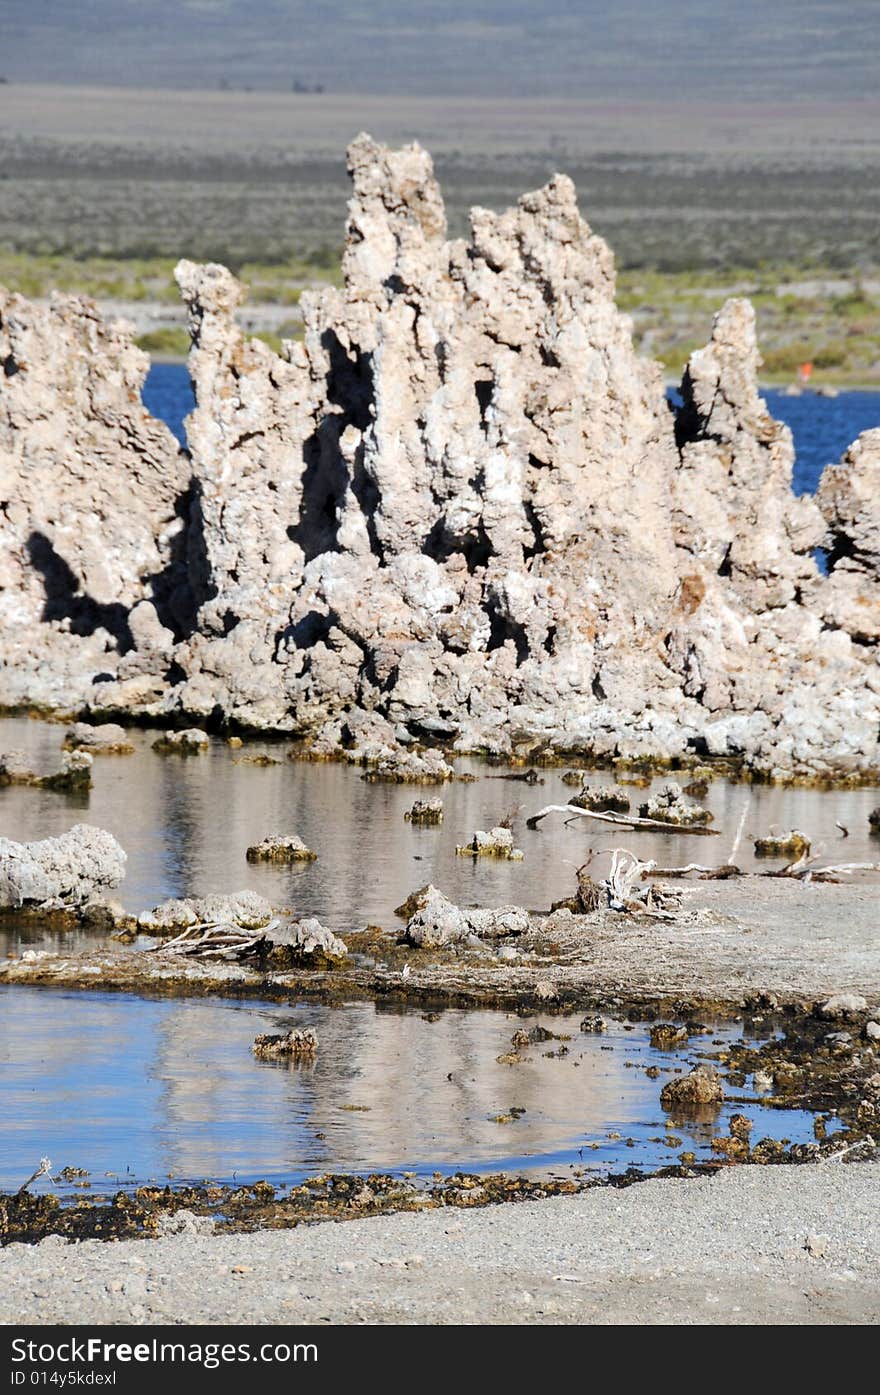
[[751, 1245]]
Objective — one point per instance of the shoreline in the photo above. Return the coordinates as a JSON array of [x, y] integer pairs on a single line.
[[802, 1244]]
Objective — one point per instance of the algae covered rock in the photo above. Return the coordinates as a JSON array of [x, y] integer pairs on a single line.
[[281, 848], [190, 742], [425, 811], [74, 775], [61, 873], [410, 768], [297, 1044], [792, 845]]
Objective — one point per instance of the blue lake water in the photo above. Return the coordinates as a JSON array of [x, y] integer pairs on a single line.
[[822, 427], [133, 1089]]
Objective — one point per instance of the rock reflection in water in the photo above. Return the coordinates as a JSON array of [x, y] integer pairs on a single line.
[[186, 826]]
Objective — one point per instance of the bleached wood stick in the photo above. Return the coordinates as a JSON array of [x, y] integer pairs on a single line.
[[628, 821]]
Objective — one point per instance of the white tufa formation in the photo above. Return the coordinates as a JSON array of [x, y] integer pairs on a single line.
[[460, 510]]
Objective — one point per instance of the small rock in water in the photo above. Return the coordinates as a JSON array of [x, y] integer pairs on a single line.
[[296, 1042], [425, 811], [664, 1035], [594, 1025], [74, 775], [498, 842], [281, 848], [107, 739], [604, 799], [701, 1086], [669, 805], [410, 768], [794, 844], [191, 742]]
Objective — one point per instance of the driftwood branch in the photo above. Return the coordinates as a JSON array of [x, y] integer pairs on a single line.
[[627, 821], [214, 941], [44, 1170]]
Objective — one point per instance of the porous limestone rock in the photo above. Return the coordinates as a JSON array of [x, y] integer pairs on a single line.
[[671, 805], [61, 873], [435, 921], [243, 908], [278, 847], [602, 799], [93, 582], [74, 774], [791, 844], [306, 943]]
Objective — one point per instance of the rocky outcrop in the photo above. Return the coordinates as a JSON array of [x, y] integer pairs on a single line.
[[460, 513], [61, 873], [94, 500]]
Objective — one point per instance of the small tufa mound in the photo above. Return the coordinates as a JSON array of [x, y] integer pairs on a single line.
[[874, 821], [498, 842], [793, 845], [670, 805], [105, 740], [699, 1088], [410, 768], [191, 742], [605, 799], [59, 873], [74, 776], [298, 1044], [245, 909], [435, 921], [425, 811], [281, 848], [306, 944]]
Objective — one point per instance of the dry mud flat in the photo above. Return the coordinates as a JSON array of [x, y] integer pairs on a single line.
[[751, 1245]]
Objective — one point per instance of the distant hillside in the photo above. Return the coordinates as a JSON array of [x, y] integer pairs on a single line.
[[777, 51]]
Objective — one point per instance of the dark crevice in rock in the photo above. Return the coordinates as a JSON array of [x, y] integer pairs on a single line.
[[65, 599]]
